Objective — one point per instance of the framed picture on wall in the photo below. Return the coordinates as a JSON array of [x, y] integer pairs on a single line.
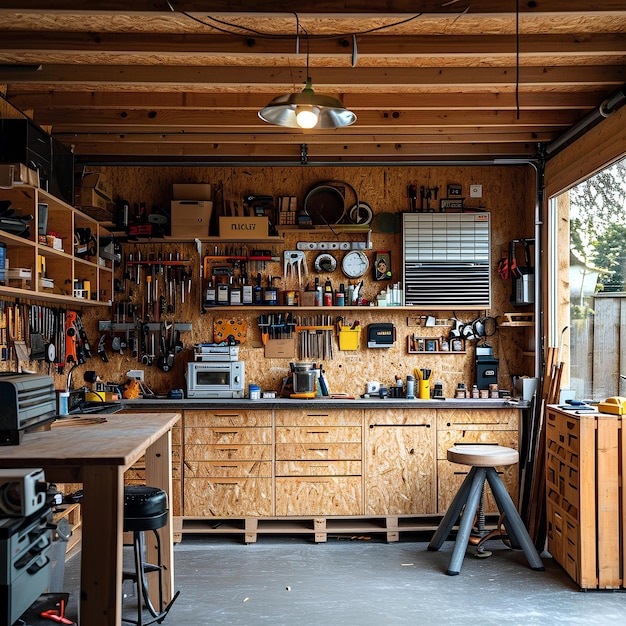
[[431, 345]]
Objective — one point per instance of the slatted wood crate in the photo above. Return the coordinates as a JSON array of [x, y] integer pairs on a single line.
[[586, 511]]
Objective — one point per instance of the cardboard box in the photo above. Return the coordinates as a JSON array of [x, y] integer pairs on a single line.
[[244, 227], [99, 183], [95, 192], [191, 218], [280, 348], [192, 191], [17, 174]]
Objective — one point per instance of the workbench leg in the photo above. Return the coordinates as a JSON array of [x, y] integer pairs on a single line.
[[159, 474], [102, 509]]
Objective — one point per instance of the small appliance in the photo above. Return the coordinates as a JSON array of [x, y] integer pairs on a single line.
[[215, 372], [22, 492], [304, 377], [486, 367]]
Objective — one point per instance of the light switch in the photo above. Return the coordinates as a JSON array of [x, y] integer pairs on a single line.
[[476, 191]]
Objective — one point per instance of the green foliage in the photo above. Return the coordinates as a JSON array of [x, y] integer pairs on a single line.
[[598, 223]]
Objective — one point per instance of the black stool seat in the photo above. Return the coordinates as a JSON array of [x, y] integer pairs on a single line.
[[145, 508]]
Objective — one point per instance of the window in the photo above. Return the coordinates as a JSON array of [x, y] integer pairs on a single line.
[[593, 282]]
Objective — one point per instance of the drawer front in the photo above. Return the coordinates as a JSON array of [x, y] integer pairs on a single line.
[[317, 468], [227, 497], [335, 417], [228, 418], [137, 473], [318, 434], [395, 417], [227, 434], [228, 469], [450, 476], [318, 452], [228, 452], [447, 439], [564, 433], [472, 419], [319, 496]]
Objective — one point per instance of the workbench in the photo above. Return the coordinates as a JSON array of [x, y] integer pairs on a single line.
[[97, 456]]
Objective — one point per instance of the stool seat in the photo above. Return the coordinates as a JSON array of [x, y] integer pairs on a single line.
[[483, 455], [145, 508]]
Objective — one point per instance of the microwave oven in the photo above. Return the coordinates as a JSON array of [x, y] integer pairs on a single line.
[[215, 379]]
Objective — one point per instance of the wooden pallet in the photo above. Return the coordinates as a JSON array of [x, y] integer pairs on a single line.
[[319, 528]]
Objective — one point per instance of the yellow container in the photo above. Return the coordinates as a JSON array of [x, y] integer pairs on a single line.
[[349, 338]]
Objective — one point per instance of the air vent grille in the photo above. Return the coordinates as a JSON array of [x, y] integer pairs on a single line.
[[446, 260]]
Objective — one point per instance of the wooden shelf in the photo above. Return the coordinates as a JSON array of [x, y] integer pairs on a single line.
[[333, 228], [60, 265]]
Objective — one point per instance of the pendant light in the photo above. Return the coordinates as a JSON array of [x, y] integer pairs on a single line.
[[307, 109]]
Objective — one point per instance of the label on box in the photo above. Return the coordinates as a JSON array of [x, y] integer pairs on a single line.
[[244, 227]]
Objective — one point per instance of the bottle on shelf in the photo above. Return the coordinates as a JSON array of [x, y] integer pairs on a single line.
[[257, 291], [247, 295], [210, 297], [235, 295], [223, 296], [318, 292], [340, 296], [270, 295], [328, 293]]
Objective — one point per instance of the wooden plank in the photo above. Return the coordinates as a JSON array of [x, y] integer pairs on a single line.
[[587, 539], [607, 505]]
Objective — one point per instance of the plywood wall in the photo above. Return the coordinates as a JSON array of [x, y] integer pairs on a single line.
[[507, 194]]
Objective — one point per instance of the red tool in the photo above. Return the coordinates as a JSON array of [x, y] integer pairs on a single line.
[[57, 616], [70, 334]]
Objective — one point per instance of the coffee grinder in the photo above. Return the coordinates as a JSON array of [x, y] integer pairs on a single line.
[[486, 366]]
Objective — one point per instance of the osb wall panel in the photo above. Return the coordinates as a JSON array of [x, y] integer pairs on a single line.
[[507, 194]]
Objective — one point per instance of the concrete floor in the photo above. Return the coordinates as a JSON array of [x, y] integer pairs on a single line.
[[289, 580]]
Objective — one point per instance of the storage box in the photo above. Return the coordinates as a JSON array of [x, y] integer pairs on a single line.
[[93, 193], [192, 191], [526, 387], [17, 174], [349, 338], [244, 227], [280, 348], [190, 218]]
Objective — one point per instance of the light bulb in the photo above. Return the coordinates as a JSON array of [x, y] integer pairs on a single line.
[[307, 117]]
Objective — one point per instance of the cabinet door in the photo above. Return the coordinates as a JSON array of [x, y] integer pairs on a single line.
[[400, 462], [319, 495], [227, 497]]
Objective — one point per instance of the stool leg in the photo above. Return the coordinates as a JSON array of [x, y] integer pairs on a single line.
[[513, 521], [452, 514], [465, 527], [138, 554]]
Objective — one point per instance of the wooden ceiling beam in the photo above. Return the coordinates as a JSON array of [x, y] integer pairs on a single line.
[[316, 7], [157, 101], [99, 47], [459, 135], [345, 151], [345, 80], [249, 121]]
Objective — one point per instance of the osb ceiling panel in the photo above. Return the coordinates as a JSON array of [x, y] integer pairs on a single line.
[[174, 80]]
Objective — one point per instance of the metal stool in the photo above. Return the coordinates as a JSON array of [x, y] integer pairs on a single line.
[[483, 459], [145, 508]]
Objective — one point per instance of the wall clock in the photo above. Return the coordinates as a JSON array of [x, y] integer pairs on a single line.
[[354, 264]]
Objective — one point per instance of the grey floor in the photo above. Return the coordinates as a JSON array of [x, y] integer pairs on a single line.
[[290, 580]]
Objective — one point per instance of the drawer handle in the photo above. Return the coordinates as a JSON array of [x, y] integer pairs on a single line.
[[317, 432], [317, 449], [226, 449], [399, 425], [226, 432]]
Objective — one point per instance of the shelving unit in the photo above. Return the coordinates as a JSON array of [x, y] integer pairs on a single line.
[[61, 265]]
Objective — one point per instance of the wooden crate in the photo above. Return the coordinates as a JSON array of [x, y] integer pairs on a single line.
[[586, 512], [70, 512]]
